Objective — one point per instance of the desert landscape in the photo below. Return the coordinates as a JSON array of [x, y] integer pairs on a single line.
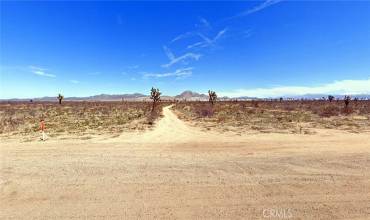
[[190, 160], [219, 110]]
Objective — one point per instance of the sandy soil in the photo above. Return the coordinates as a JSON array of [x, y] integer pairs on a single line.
[[176, 171]]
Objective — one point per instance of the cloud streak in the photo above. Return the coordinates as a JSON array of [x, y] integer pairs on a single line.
[[207, 42], [203, 24], [179, 73], [182, 58], [182, 36], [40, 72], [342, 87], [257, 8], [202, 29]]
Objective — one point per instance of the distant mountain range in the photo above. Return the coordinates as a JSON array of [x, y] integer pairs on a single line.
[[186, 95], [320, 96], [101, 97]]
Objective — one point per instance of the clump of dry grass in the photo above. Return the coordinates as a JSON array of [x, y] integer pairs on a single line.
[[276, 116], [328, 111], [76, 117]]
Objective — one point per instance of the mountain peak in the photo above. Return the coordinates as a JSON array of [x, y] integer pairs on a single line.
[[190, 95]]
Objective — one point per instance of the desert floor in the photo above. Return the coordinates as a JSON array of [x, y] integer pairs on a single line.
[[176, 171]]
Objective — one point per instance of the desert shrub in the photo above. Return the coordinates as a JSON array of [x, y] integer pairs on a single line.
[[289, 108], [329, 111], [205, 112], [255, 103], [347, 110], [251, 111], [364, 109]]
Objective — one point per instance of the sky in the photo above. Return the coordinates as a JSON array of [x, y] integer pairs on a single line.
[[266, 48]]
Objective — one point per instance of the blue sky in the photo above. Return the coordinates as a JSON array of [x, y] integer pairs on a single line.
[[252, 48]]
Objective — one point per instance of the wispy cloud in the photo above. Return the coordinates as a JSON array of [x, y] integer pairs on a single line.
[[40, 71], [179, 73], [342, 87], [257, 8], [206, 41], [204, 23], [74, 81], [182, 58], [202, 31], [182, 36]]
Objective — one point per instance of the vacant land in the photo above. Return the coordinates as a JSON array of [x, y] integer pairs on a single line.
[[277, 117], [179, 171], [82, 119]]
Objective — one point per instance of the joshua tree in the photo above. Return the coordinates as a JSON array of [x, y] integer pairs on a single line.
[[60, 98], [281, 99], [155, 95], [212, 96], [346, 100], [330, 98]]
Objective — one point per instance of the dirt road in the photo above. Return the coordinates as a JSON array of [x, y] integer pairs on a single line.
[[175, 171], [170, 129]]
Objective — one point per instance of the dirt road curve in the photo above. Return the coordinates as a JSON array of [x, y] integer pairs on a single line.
[[177, 172]]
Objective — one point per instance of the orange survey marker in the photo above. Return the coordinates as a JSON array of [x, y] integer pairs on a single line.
[[42, 128], [42, 125]]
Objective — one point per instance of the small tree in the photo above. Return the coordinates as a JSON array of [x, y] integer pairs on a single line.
[[155, 95], [281, 99], [60, 98], [212, 96], [347, 99], [330, 98]]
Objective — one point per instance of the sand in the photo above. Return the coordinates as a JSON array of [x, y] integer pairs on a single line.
[[176, 171]]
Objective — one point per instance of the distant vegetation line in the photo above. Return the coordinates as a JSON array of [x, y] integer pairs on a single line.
[[186, 95]]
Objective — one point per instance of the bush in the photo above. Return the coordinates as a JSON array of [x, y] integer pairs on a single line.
[[329, 111]]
